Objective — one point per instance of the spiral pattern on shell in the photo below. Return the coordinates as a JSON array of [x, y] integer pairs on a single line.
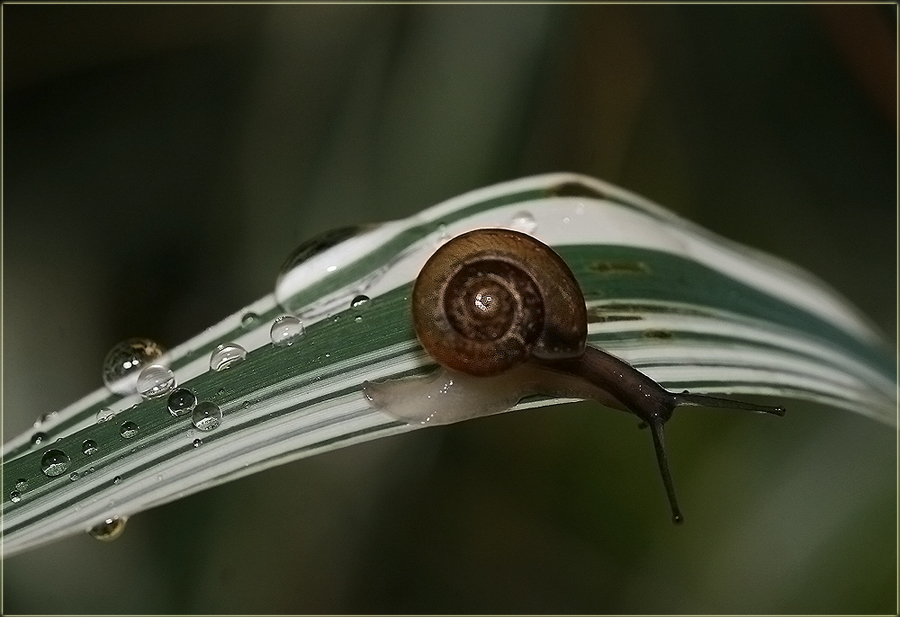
[[491, 298]]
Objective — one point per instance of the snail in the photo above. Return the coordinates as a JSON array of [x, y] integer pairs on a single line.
[[505, 318]]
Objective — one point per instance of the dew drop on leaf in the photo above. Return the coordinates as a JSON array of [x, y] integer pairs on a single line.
[[248, 319], [125, 361], [89, 447], [54, 462], [285, 330], [155, 380], [207, 416], [109, 529], [225, 356], [15, 497], [128, 430], [104, 414], [358, 301], [181, 402], [523, 221]]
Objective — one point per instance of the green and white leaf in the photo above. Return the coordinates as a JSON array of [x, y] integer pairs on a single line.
[[689, 308]]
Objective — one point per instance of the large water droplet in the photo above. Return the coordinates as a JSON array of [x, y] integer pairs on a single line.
[[181, 402], [15, 497], [54, 462], [523, 221], [124, 362], [128, 430], [155, 380], [285, 330], [207, 416], [89, 447], [358, 301], [109, 529], [226, 355]]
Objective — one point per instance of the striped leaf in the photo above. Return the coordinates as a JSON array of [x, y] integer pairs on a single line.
[[688, 308]]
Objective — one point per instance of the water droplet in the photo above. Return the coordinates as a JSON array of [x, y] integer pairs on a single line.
[[207, 416], [309, 259], [128, 430], [104, 414], [155, 380], [54, 462], [358, 301], [221, 392], [21, 484], [109, 529], [15, 497], [523, 221], [225, 356], [44, 418], [74, 476], [38, 438], [124, 362], [286, 330], [358, 318], [197, 443], [181, 402], [117, 480], [89, 447], [246, 404], [248, 319]]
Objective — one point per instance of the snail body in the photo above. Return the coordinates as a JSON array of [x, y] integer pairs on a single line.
[[505, 318]]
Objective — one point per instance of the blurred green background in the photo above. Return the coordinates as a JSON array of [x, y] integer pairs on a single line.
[[161, 161]]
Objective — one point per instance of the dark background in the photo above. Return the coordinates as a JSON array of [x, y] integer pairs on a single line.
[[160, 162]]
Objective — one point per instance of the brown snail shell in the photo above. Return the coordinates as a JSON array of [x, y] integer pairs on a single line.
[[491, 298]]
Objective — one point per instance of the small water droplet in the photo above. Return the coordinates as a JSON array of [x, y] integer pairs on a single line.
[[221, 392], [21, 484], [225, 356], [125, 361], [358, 318], [15, 497], [155, 380], [181, 402], [358, 301], [89, 447], [109, 529], [524, 221], [54, 462], [207, 416], [197, 443], [566, 220], [117, 480], [248, 319], [104, 414], [245, 405], [74, 476], [44, 418], [128, 430], [38, 438], [285, 330]]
